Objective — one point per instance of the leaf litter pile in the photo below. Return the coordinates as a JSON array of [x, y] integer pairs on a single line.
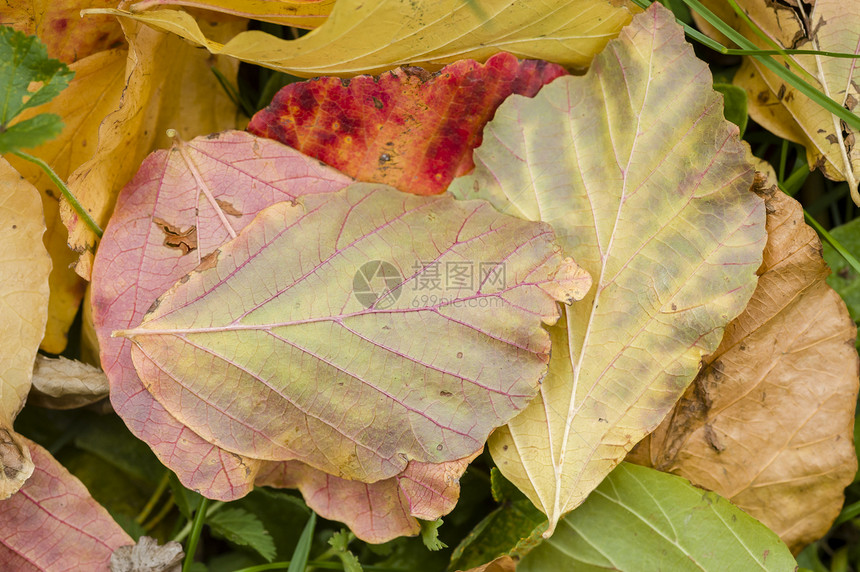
[[588, 276]]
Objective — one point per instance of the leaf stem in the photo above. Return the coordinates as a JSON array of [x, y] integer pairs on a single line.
[[196, 529], [159, 490], [63, 189]]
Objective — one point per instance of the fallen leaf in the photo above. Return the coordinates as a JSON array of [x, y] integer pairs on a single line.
[[24, 268], [59, 25], [407, 128], [351, 330], [370, 37], [147, 556], [307, 14], [168, 85], [93, 93], [828, 25], [65, 384], [657, 522], [133, 241], [380, 511], [647, 187], [768, 422], [134, 266], [53, 523]]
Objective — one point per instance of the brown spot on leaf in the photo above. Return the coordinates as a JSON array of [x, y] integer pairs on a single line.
[[420, 73], [209, 261], [781, 92], [832, 139], [228, 208], [174, 237], [444, 393], [377, 103], [712, 439]]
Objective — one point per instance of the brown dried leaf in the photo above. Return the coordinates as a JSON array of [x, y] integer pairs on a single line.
[[768, 422], [65, 383]]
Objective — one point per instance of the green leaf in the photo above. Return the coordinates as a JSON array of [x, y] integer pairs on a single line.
[[243, 528], [28, 77], [734, 104], [640, 519], [430, 534], [30, 132], [340, 542], [281, 513], [300, 557]]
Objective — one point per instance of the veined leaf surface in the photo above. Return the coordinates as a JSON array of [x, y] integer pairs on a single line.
[[53, 523], [647, 187], [769, 420], [181, 206], [306, 14], [373, 36], [307, 337], [658, 522], [375, 512]]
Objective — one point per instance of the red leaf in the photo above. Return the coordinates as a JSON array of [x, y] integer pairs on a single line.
[[407, 128], [53, 523]]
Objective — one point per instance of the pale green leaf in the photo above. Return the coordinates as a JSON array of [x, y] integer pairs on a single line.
[[642, 520]]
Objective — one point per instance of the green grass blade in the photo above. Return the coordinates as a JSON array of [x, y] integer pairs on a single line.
[[769, 62], [303, 549]]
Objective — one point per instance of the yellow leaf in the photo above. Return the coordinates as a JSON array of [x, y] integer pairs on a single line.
[[371, 36], [647, 187], [24, 268], [828, 25], [169, 85], [307, 14], [92, 94]]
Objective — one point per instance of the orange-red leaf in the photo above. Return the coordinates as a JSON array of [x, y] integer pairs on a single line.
[[408, 128]]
